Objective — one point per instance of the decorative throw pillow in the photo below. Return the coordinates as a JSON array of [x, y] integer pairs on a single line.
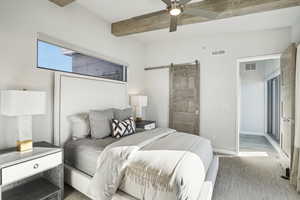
[[123, 114], [100, 123], [123, 128], [80, 125]]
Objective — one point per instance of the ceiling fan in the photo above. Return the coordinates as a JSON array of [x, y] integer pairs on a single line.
[[177, 7]]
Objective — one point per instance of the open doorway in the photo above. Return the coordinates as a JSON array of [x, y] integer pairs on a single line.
[[259, 106]]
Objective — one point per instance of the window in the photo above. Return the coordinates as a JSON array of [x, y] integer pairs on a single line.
[[57, 58]]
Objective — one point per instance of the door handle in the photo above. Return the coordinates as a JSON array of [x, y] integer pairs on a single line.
[[285, 120], [288, 120], [197, 112]]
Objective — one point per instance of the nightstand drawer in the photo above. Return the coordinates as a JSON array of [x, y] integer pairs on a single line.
[[149, 126], [26, 169]]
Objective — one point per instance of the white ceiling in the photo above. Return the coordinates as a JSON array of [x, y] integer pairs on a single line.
[[115, 10]]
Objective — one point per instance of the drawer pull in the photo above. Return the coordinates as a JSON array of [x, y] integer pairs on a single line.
[[35, 166]]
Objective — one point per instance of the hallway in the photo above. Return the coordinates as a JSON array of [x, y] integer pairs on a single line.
[[256, 144]]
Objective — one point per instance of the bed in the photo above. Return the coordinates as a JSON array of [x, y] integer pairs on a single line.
[[75, 94]]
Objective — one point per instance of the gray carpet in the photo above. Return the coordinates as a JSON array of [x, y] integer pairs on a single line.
[[71, 194], [243, 178], [252, 178], [256, 143]]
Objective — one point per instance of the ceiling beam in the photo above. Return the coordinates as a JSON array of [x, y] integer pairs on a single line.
[[224, 8], [62, 3]]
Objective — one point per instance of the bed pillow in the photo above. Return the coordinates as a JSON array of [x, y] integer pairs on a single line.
[[80, 125], [123, 128], [122, 114], [100, 122]]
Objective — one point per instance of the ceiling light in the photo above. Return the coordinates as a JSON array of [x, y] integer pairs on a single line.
[[175, 11]]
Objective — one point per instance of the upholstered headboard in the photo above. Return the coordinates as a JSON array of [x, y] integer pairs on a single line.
[[77, 94]]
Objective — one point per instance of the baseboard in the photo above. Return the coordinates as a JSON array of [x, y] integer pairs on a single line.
[[251, 133], [224, 151]]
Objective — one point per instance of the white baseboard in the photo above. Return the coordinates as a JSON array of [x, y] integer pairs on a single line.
[[251, 133], [224, 151]]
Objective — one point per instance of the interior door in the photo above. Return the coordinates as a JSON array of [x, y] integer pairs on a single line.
[[184, 98], [287, 117]]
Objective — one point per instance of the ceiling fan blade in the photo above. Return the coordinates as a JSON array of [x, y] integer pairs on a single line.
[[168, 2], [183, 2], [200, 12], [173, 24]]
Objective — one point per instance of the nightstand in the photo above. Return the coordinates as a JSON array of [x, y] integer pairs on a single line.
[[145, 125], [35, 175]]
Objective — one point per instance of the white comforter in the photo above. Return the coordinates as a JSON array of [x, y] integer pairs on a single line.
[[157, 164]]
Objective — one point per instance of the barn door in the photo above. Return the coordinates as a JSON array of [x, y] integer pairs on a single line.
[[184, 98], [287, 117]]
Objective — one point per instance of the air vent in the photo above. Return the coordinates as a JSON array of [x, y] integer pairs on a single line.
[[250, 67], [215, 53]]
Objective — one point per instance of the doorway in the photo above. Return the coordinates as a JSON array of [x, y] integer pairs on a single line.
[[259, 106]]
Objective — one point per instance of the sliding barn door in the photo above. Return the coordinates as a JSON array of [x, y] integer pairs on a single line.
[[287, 117], [184, 98]]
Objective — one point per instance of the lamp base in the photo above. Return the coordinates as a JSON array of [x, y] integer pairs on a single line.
[[25, 145]]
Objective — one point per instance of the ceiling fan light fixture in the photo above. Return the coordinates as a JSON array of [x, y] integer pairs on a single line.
[[175, 11]]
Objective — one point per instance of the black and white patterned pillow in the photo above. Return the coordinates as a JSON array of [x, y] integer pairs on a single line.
[[123, 128]]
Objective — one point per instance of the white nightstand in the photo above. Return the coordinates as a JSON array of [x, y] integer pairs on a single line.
[[35, 175]]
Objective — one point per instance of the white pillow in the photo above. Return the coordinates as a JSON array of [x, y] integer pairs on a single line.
[[80, 125]]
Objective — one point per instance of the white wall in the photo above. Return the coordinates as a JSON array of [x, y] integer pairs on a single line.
[[252, 99], [253, 94], [296, 33], [19, 23], [272, 68], [219, 74]]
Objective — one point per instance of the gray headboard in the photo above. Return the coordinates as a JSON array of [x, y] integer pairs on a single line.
[[76, 94]]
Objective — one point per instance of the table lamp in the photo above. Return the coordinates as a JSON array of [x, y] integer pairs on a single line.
[[23, 104], [139, 102]]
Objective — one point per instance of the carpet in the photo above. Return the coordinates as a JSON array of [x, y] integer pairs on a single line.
[[252, 178]]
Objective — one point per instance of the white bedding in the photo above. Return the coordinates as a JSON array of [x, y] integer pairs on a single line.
[[157, 164]]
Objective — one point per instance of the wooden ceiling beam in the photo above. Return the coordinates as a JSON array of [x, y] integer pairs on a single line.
[[62, 3], [225, 8]]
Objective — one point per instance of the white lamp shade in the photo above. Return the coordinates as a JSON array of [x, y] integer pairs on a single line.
[[141, 101], [21, 103]]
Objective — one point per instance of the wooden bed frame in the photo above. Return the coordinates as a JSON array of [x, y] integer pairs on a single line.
[[76, 94]]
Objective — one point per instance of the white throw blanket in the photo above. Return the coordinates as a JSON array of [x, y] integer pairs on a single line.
[[157, 164]]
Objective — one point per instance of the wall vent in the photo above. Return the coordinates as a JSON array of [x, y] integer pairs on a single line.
[[215, 53], [250, 67]]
